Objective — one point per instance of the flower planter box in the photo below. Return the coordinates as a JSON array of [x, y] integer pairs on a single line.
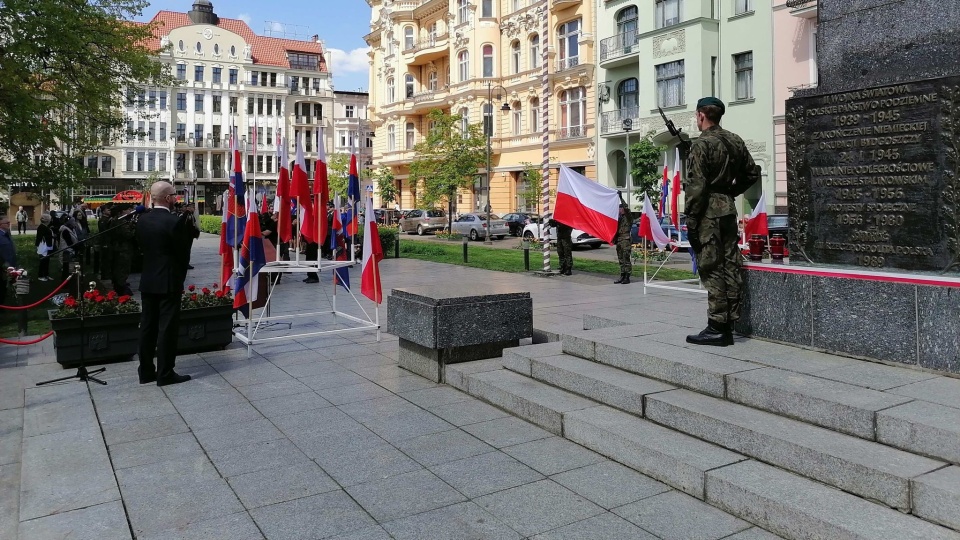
[[205, 329], [108, 338]]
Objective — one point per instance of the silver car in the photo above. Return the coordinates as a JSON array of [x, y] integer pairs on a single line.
[[423, 221], [474, 226]]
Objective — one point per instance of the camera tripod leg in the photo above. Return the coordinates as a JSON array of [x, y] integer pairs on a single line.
[[81, 375]]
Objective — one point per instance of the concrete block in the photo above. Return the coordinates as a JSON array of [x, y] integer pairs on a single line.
[[582, 344], [942, 390], [675, 515], [675, 459], [694, 369], [518, 358], [795, 507], [862, 467], [538, 507], [835, 405], [105, 521], [531, 400], [936, 496], [456, 374], [599, 382], [923, 428]]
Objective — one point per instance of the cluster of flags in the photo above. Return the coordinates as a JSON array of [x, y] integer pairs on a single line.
[[240, 226], [671, 193]]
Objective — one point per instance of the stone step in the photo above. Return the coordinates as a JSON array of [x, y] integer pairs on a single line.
[[583, 343], [936, 496], [922, 427], [531, 400], [675, 459], [839, 406], [605, 384], [456, 374], [518, 358], [868, 469], [795, 507]]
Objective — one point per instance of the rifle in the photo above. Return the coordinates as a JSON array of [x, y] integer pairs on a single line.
[[684, 143]]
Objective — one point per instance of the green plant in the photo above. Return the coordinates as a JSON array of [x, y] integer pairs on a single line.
[[209, 224], [449, 235], [206, 297], [386, 185], [646, 168], [638, 253], [388, 237], [94, 304]]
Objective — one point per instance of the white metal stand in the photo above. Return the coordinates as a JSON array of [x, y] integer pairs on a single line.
[[648, 280]]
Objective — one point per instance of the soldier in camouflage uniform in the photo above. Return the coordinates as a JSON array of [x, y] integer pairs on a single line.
[[121, 247], [716, 158], [564, 247], [624, 245]]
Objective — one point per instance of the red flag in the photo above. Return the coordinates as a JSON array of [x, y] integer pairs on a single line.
[[300, 189], [756, 222], [586, 205], [675, 193], [321, 186], [226, 252], [372, 254], [281, 204]]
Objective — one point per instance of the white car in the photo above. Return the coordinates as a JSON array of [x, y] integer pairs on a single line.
[[580, 238]]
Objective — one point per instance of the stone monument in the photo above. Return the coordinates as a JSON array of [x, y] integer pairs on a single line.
[[873, 178]]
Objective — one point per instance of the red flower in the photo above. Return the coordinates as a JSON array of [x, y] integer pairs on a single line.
[[192, 288], [98, 299], [123, 299], [89, 295], [219, 294], [70, 302], [205, 291], [111, 295], [193, 298], [215, 286]]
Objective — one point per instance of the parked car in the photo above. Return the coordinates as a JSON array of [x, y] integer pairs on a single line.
[[423, 221], [516, 221], [666, 225], [580, 238], [779, 224], [386, 216], [474, 226]]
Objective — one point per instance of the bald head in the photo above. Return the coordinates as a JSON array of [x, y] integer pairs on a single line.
[[161, 194]]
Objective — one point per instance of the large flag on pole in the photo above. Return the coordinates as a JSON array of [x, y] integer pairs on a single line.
[[226, 252], [281, 204], [339, 244], [252, 259], [353, 196], [756, 222], [321, 186], [665, 190], [300, 189], [650, 227], [236, 204], [586, 205], [372, 255], [675, 192]]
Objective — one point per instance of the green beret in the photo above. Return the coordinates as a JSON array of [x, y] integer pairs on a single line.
[[707, 101]]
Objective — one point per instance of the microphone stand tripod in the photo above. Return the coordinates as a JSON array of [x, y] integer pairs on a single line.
[[82, 374]]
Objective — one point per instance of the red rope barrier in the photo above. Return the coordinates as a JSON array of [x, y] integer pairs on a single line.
[[38, 302], [38, 340]]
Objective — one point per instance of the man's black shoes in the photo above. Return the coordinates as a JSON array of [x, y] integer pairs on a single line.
[[715, 334], [148, 378], [173, 378], [311, 280], [189, 267]]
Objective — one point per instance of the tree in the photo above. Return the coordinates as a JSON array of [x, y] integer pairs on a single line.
[[447, 159], [646, 161], [386, 185], [338, 173], [66, 66], [533, 194]]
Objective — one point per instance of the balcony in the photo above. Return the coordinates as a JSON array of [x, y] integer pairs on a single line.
[[101, 173], [571, 132], [612, 121], [564, 4], [619, 46], [569, 62], [218, 174], [803, 8], [428, 49], [305, 120]]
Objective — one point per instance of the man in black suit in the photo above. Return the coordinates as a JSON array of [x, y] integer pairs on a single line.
[[164, 240]]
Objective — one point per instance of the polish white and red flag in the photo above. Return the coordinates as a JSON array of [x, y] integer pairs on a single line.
[[665, 190], [756, 222], [675, 191], [281, 204], [650, 225], [321, 188], [372, 255], [300, 189], [586, 205]]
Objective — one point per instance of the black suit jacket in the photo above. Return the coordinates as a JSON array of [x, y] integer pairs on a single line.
[[165, 244]]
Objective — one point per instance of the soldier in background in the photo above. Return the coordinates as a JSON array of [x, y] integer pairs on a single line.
[[719, 168], [624, 245], [564, 246], [122, 247]]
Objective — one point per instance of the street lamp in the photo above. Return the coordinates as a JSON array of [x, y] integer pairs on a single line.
[[489, 133], [627, 126]]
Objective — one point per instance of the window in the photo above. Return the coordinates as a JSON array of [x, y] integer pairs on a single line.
[[670, 84], [153, 99], [141, 131], [152, 131], [627, 25], [217, 74], [391, 91], [391, 138], [464, 121], [180, 45], [410, 136], [486, 8], [141, 157], [233, 76], [569, 35], [249, 105], [278, 108], [308, 62], [269, 106], [198, 102], [260, 163], [259, 105], [433, 33], [407, 38], [151, 161], [199, 47], [348, 111], [217, 107], [181, 132], [198, 73], [463, 65], [163, 131], [198, 133], [534, 115], [463, 11], [181, 101], [216, 49], [628, 95], [162, 160], [488, 60], [535, 51], [163, 100], [667, 13], [515, 57], [488, 119], [517, 118], [269, 138], [233, 50], [129, 161], [408, 85], [233, 104], [431, 81], [181, 72], [181, 164], [743, 6], [273, 79], [743, 66], [573, 103], [131, 132]]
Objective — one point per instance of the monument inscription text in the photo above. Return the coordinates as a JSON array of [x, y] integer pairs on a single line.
[[872, 176]]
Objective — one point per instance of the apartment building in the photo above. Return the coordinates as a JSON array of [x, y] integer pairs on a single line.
[[452, 54], [227, 76], [351, 127], [670, 53]]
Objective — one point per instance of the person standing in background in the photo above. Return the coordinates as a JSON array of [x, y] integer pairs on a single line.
[[44, 244], [624, 246], [21, 221], [8, 256]]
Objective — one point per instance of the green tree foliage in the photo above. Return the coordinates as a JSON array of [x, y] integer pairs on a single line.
[[646, 161], [338, 173], [447, 159], [66, 66], [386, 184], [533, 194]]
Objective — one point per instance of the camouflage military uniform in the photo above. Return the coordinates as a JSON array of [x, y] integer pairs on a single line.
[[121, 247], [712, 220], [624, 245], [565, 248]]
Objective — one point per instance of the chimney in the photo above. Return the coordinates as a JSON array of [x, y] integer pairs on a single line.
[[315, 38]]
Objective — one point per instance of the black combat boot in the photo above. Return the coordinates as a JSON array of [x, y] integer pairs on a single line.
[[626, 279], [622, 277], [717, 334]]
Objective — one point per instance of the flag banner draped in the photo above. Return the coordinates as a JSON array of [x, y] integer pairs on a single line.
[[300, 189], [252, 259], [756, 222], [665, 190], [586, 205], [236, 204], [281, 204], [650, 227], [372, 255], [226, 252], [353, 196], [338, 242], [321, 187], [675, 192]]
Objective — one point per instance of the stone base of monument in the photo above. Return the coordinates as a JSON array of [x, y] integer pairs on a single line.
[[907, 319], [438, 326]]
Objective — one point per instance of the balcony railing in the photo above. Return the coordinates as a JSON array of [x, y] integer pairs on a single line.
[[426, 43], [619, 45], [572, 132], [569, 62], [612, 121], [218, 174]]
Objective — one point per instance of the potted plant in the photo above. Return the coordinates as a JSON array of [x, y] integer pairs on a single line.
[[95, 328], [206, 319]]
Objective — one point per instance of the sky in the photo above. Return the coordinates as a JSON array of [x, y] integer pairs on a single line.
[[341, 25]]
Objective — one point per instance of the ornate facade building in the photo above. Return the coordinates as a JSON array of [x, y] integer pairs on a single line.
[[451, 54]]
